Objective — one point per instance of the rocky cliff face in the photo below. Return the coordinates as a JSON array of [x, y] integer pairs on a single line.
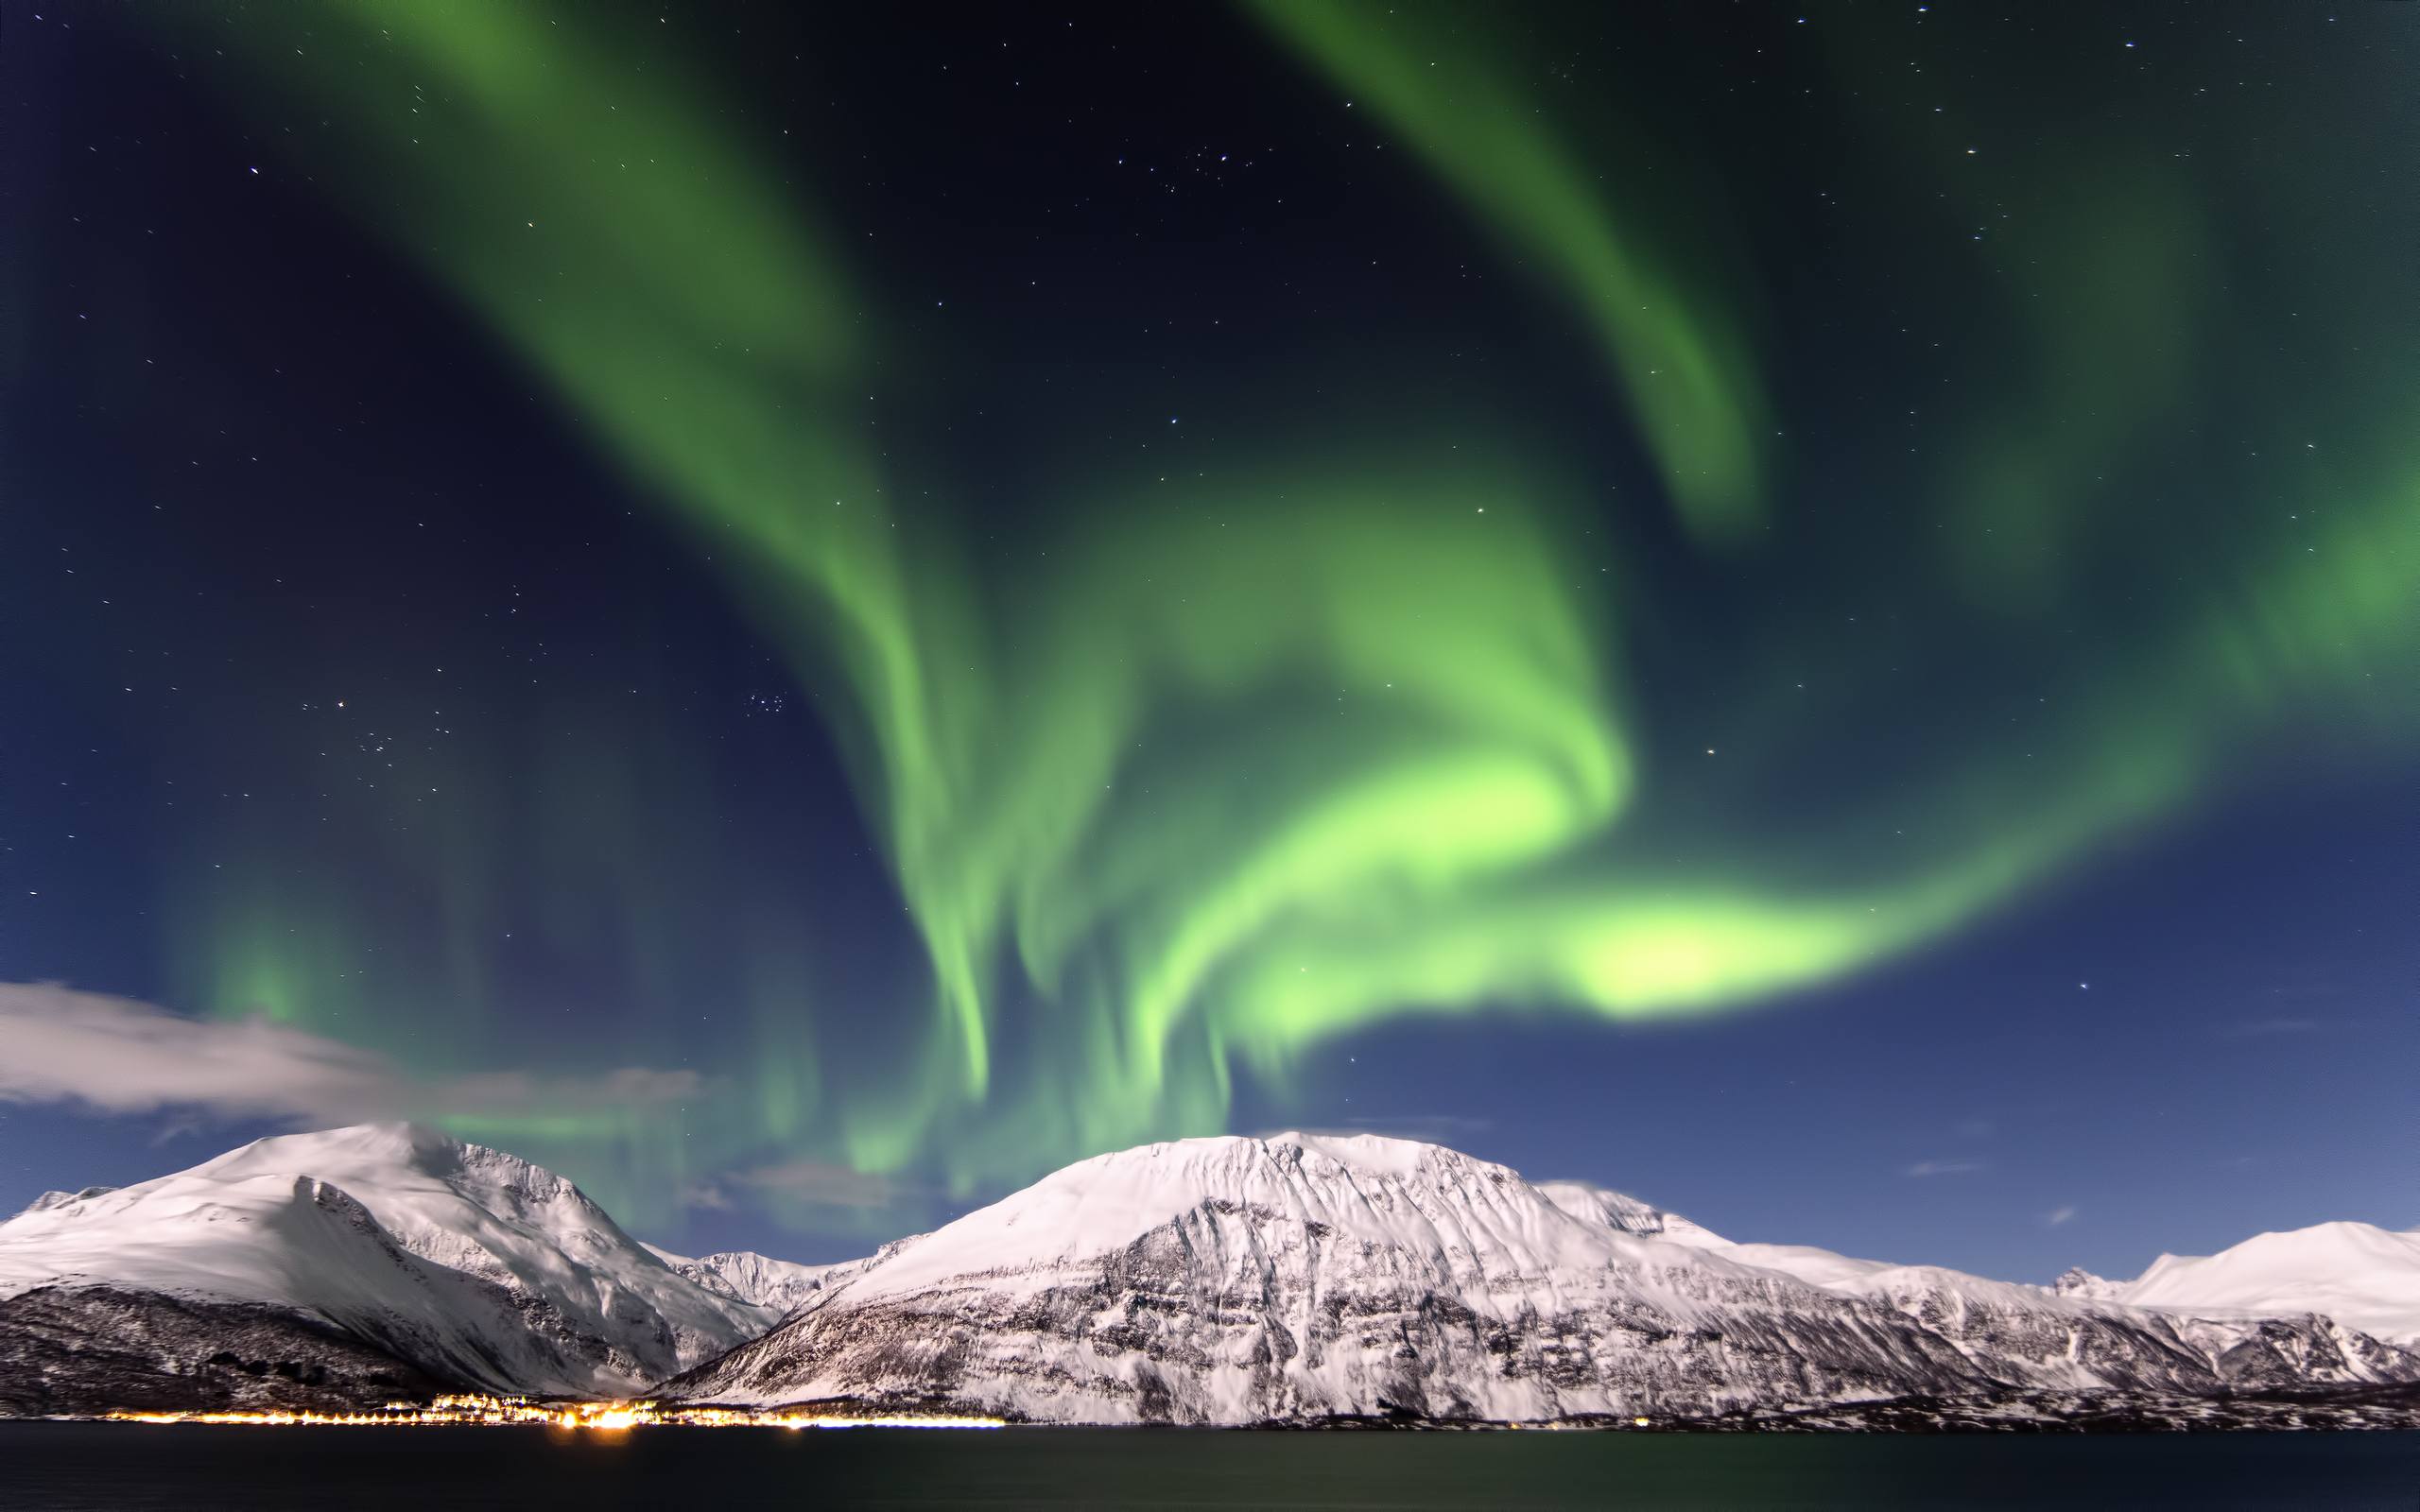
[[93, 1349], [1300, 1277]]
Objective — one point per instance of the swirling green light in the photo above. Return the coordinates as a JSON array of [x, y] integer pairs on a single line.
[[1252, 764], [1436, 75]]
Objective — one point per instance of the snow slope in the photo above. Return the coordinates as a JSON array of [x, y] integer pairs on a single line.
[[1302, 1276], [469, 1263], [2360, 1275], [1615, 1209]]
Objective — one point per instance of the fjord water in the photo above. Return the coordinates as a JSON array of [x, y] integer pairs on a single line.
[[141, 1466]]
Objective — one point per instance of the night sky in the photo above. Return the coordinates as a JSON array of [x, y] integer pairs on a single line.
[[806, 614]]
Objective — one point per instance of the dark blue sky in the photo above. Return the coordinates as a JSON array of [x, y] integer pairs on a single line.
[[289, 532]]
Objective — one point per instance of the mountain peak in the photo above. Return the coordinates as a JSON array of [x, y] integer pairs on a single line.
[[2079, 1282], [1372, 1190], [1295, 1275], [500, 1271], [416, 1146], [407, 1153], [2357, 1273], [1375, 1151]]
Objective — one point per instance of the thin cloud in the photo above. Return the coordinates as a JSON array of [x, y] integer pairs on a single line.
[[2059, 1218], [1428, 1128], [505, 1091], [1943, 1167], [111, 1054], [820, 1184]]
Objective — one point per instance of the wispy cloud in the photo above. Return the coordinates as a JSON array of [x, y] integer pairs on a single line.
[[1943, 1167], [820, 1184], [118, 1055], [2060, 1217], [1429, 1128]]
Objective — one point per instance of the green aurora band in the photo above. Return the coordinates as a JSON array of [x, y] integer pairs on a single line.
[[1280, 757], [1438, 79]]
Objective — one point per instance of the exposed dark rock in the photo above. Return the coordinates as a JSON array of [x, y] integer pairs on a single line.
[[93, 1350]]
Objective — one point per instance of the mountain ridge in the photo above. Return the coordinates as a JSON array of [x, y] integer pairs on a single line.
[[1285, 1279], [473, 1267], [1308, 1278], [2298, 1270]]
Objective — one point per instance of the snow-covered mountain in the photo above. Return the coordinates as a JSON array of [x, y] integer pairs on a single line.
[[2360, 1275], [1302, 1277], [1297, 1278], [778, 1286], [2077, 1343], [465, 1264]]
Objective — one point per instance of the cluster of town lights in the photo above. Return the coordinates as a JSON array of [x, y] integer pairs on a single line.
[[596, 1416]]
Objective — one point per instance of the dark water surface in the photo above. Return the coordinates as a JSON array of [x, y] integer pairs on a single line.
[[134, 1465]]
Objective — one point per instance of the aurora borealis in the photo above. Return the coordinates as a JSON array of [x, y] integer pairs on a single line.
[[992, 596]]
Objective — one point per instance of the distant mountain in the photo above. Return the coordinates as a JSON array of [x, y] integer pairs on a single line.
[[2360, 1275], [2023, 1335], [454, 1262], [2079, 1282], [778, 1286], [1304, 1279]]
